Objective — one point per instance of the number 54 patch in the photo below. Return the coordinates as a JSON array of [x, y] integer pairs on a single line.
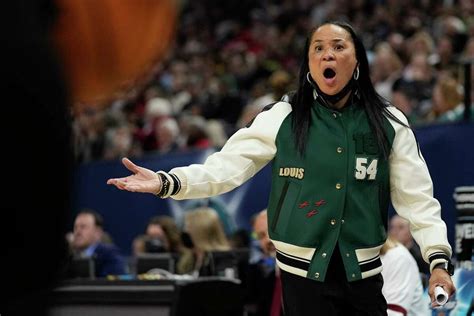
[[366, 168]]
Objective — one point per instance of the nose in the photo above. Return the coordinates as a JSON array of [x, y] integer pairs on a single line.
[[328, 55]]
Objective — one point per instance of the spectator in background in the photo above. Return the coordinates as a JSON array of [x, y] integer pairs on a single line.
[[203, 233], [118, 142], [444, 58], [89, 137], [240, 239], [401, 99], [173, 236], [156, 110], [161, 235], [279, 83], [172, 232], [86, 242], [166, 135], [402, 286], [399, 230], [418, 78], [153, 241], [263, 288], [447, 101], [194, 133], [387, 67]]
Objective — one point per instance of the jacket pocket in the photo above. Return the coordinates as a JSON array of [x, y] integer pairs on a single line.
[[285, 206]]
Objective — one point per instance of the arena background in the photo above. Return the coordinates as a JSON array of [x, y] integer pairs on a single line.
[[226, 57]]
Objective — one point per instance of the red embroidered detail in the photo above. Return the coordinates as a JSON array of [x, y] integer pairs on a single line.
[[311, 213], [303, 205], [320, 202]]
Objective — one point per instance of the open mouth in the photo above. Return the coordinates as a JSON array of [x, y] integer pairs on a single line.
[[329, 73]]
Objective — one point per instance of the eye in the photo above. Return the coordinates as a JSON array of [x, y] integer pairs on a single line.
[[318, 48], [338, 47]]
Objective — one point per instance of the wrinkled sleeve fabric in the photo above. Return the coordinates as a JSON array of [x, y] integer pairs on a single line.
[[244, 154], [412, 194]]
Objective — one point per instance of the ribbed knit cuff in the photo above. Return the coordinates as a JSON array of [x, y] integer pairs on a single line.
[[171, 184], [436, 258]]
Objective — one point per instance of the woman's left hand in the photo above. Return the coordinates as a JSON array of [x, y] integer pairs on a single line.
[[440, 277]]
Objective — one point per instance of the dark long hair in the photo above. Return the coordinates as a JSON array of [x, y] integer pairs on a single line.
[[374, 105]]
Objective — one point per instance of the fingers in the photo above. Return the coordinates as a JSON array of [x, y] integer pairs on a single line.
[[447, 286], [124, 184], [119, 183], [130, 165]]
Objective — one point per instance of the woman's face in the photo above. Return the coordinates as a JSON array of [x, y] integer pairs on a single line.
[[332, 58]]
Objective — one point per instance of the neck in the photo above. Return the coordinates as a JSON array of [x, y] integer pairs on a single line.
[[340, 104], [338, 100]]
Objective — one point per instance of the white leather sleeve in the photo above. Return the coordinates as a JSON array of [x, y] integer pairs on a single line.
[[412, 192], [243, 155]]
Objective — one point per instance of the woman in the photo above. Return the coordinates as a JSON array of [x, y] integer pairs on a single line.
[[206, 235], [332, 146]]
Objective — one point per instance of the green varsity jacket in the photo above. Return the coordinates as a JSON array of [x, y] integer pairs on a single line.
[[337, 193]]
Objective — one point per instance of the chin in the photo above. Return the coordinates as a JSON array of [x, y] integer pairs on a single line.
[[331, 91]]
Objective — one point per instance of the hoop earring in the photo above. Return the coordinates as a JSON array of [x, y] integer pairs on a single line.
[[309, 79], [356, 73]]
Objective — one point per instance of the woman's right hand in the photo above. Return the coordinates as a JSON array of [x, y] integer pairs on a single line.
[[142, 180]]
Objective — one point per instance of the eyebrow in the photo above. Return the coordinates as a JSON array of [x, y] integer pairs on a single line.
[[336, 40]]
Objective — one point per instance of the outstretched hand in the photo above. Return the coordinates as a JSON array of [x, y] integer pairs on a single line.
[[142, 180]]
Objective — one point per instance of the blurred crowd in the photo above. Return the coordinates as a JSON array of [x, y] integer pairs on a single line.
[[200, 247], [230, 59]]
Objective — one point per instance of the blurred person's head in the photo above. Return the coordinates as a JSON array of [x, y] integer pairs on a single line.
[[279, 81], [205, 229], [456, 29], [91, 121], [444, 48], [216, 133], [260, 227], [166, 133], [154, 230], [397, 42], [399, 229], [88, 229], [421, 42], [157, 108], [197, 136], [447, 94], [386, 62], [118, 142], [419, 67], [401, 96], [240, 239], [155, 237], [172, 232]]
